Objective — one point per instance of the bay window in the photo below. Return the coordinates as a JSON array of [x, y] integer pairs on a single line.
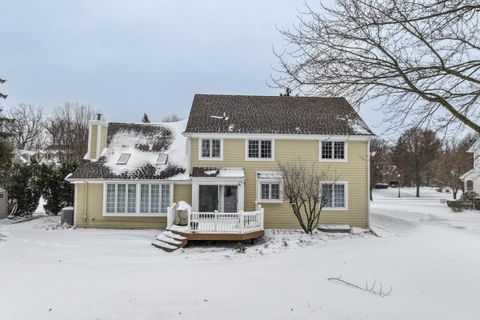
[[136, 199]]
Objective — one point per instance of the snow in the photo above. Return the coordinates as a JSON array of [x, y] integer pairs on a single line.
[[125, 141], [183, 205], [269, 175], [231, 173], [427, 253]]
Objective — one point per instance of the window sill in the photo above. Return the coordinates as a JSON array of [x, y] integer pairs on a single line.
[[333, 160], [334, 209], [259, 159], [133, 215], [270, 201], [210, 159]]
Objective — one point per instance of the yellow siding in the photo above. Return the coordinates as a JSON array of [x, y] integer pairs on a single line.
[[93, 141], [103, 138], [93, 199], [354, 172], [182, 192]]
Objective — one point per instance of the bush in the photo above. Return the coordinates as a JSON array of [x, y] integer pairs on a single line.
[[56, 192], [24, 187]]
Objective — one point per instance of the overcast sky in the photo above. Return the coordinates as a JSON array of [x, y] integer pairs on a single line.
[[130, 57]]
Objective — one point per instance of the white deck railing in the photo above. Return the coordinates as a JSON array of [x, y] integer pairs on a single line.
[[235, 222]]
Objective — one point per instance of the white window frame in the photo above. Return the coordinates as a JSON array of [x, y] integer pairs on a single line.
[[137, 212], [200, 142], [247, 158], [345, 150], [345, 183], [261, 181]]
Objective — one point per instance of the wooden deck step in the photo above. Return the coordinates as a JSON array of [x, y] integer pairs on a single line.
[[169, 241]]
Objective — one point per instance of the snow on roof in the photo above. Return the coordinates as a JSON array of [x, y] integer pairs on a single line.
[[142, 147], [269, 174], [231, 173]]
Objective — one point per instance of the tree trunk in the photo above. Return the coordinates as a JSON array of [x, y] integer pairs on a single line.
[[371, 194], [418, 191], [455, 194]]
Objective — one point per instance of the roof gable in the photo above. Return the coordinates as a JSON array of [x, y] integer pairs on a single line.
[[274, 115]]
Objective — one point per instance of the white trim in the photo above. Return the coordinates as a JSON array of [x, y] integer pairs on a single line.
[[368, 185], [97, 181], [333, 140], [345, 208], [200, 157], [247, 158], [89, 148], [239, 182], [280, 136]]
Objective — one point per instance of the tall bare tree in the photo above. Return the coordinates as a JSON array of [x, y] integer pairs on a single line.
[[171, 118], [413, 154], [27, 130], [420, 56], [68, 130], [302, 186]]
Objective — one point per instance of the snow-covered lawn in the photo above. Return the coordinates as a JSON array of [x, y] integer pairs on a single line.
[[429, 255]]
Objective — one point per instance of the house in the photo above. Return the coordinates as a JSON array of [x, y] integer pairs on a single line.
[[220, 167], [3, 203], [471, 179]]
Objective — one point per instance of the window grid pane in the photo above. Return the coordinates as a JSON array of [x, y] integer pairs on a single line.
[[144, 189], [215, 148], [132, 198], [154, 198], [253, 148], [326, 149], [339, 195], [327, 193], [110, 198], [275, 191], [266, 149], [121, 196], [339, 150], [165, 198], [265, 194], [206, 148]]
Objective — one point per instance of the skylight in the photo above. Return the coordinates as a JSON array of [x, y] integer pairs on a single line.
[[123, 158], [162, 159]]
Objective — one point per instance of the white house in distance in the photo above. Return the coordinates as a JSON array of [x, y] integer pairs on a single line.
[[471, 179]]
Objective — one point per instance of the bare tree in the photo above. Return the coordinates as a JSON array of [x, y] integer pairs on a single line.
[[171, 118], [145, 118], [414, 153], [421, 57], [302, 186], [2, 95], [68, 130], [381, 165], [27, 129]]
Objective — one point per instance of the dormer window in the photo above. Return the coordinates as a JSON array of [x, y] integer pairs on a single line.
[[211, 149], [162, 159], [123, 158]]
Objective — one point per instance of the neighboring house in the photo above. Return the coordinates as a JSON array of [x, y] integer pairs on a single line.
[[471, 179], [221, 166], [54, 154]]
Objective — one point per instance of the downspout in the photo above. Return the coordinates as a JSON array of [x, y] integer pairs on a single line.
[[368, 184], [86, 202]]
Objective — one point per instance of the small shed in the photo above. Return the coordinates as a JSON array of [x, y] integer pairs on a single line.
[[3, 203]]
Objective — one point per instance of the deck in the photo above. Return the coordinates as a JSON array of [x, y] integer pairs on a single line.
[[228, 226]]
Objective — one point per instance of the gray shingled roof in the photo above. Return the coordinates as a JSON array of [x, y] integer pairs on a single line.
[[97, 170], [274, 115]]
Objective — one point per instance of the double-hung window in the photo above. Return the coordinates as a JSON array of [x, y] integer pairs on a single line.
[[334, 195], [259, 149], [210, 149], [269, 187], [333, 150], [134, 199]]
